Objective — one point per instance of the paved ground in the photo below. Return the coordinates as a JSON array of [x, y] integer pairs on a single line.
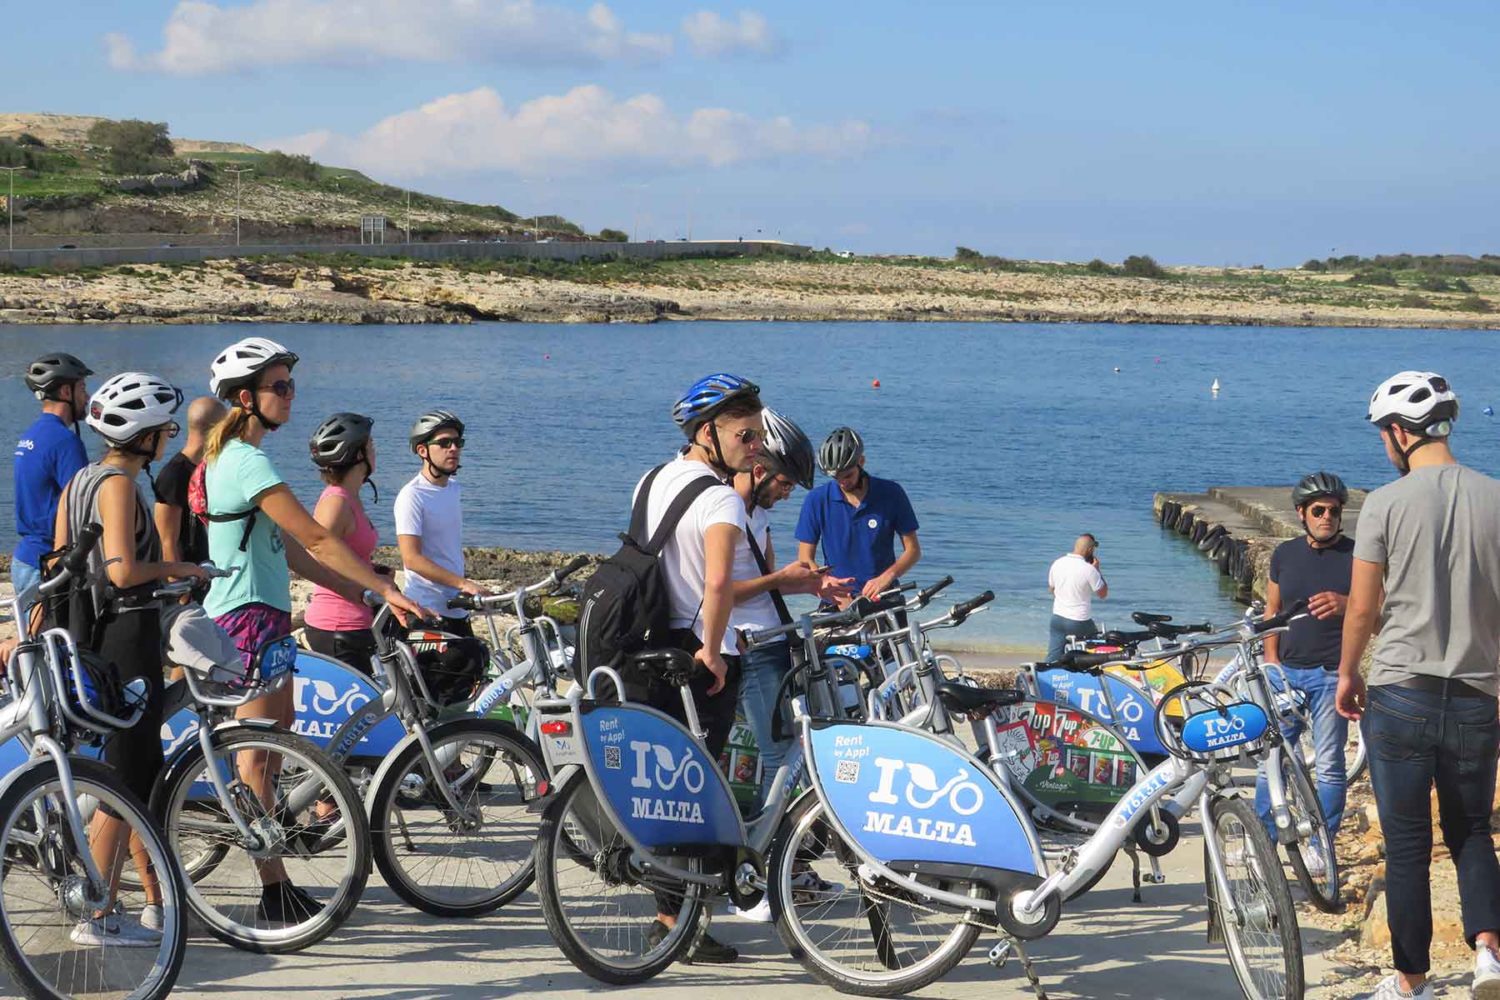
[[1104, 947]]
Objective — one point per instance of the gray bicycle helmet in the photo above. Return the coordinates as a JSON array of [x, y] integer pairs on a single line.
[[51, 372], [1319, 484], [841, 450], [428, 425], [787, 450], [340, 440]]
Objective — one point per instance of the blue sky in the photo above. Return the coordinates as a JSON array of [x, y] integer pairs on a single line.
[[1198, 133]]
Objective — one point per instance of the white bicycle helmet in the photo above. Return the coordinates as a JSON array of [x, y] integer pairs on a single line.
[[240, 362], [1422, 402], [130, 404]]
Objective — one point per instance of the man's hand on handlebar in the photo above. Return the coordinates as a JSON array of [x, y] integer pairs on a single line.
[[475, 588], [877, 585], [713, 662]]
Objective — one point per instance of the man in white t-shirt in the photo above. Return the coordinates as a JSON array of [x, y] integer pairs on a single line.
[[430, 521], [720, 415], [1075, 581]]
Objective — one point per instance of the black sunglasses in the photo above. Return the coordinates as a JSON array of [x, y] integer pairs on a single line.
[[448, 443], [1319, 510], [285, 388]]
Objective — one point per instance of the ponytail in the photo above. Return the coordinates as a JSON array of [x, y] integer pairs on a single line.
[[230, 427]]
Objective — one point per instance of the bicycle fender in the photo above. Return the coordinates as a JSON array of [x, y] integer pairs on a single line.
[[555, 785], [435, 734]]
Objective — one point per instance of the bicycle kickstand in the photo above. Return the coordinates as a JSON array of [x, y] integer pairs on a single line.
[[1135, 872], [1000, 954]]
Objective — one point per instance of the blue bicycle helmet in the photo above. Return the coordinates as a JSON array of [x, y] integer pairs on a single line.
[[707, 397]]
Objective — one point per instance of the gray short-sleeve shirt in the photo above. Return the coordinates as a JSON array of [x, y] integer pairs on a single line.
[[1437, 533]]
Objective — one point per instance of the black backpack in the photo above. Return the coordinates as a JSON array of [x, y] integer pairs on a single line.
[[625, 602]]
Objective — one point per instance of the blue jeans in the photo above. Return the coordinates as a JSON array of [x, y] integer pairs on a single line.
[[1330, 731], [1417, 739], [1062, 628], [23, 575], [761, 673]]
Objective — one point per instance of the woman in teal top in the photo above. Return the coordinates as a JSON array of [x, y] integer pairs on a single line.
[[258, 529]]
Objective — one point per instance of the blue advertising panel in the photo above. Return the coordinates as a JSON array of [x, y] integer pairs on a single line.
[[1137, 712], [661, 784], [906, 796], [1216, 729], [12, 755]]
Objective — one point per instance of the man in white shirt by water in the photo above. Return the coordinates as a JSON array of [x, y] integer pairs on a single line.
[[430, 521], [1075, 581]]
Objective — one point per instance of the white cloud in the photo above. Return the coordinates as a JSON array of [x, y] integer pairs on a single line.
[[201, 37], [712, 34], [586, 128]]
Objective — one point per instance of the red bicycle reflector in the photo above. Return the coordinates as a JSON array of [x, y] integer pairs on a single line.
[[557, 727], [543, 788]]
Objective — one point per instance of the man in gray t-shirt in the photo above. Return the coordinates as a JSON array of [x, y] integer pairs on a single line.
[[1427, 578]]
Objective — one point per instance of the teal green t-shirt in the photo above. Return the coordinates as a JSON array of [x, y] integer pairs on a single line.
[[241, 473]]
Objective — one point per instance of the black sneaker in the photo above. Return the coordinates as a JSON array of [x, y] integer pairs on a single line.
[[284, 903], [655, 935], [710, 952]]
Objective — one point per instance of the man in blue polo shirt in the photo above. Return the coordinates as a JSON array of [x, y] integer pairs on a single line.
[[47, 454], [1316, 568], [858, 518]]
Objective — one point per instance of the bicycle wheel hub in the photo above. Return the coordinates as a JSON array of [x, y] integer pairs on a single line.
[[270, 838], [74, 897]]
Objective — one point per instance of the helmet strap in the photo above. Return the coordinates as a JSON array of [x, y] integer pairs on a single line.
[[1404, 455], [716, 457]]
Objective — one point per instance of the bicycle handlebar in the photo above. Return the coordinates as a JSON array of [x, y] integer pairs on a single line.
[[573, 567], [924, 597], [1279, 621], [1079, 662], [966, 608], [76, 562]]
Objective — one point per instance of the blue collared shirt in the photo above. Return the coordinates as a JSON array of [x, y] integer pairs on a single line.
[[48, 453], [857, 541]]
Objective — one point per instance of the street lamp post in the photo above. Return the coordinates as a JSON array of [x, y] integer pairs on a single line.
[[10, 210], [237, 171], [408, 215]]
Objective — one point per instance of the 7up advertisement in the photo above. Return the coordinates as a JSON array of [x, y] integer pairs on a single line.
[[1063, 759]]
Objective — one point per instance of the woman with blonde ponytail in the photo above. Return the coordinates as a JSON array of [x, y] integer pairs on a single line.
[[260, 532]]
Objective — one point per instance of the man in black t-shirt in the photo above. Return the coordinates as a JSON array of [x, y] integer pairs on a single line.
[[1317, 569], [183, 538]]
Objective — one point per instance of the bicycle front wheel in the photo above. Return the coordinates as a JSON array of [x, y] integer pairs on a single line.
[[51, 942], [475, 860], [1312, 856], [309, 832], [1261, 935], [852, 929], [600, 902]]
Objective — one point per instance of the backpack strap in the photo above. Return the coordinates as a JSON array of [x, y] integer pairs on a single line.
[[760, 560], [637, 530], [680, 504]]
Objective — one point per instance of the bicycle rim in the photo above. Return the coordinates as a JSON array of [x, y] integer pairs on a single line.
[[323, 848], [599, 905], [1263, 944], [852, 930], [472, 861], [42, 895], [1321, 883]]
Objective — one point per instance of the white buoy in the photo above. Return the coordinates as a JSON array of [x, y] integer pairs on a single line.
[[1214, 387]]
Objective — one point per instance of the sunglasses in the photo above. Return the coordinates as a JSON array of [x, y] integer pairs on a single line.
[[749, 435], [284, 388], [448, 443], [172, 429], [1325, 510]]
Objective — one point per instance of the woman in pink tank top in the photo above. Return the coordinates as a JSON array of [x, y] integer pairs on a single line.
[[344, 452]]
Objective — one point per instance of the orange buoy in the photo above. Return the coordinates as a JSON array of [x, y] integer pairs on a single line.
[[875, 384]]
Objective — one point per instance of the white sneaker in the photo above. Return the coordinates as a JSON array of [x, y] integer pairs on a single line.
[[760, 913], [1312, 857], [1486, 974], [1390, 989], [152, 917], [114, 931]]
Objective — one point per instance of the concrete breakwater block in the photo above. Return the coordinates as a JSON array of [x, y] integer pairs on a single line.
[[1239, 526]]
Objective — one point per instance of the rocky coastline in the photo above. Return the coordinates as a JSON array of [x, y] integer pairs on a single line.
[[355, 292]]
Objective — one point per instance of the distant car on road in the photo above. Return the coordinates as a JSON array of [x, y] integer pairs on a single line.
[[167, 246], [67, 246]]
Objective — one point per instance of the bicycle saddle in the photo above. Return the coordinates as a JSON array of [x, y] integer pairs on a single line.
[[1147, 618], [958, 697]]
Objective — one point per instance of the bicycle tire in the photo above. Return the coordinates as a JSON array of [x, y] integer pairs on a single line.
[[1302, 800], [574, 818], [788, 851], [1356, 760], [1265, 902], [224, 912], [394, 812], [91, 778]]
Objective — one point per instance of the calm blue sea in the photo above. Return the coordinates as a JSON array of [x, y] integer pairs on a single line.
[[1011, 439]]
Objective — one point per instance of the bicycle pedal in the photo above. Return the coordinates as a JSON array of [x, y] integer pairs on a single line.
[[1000, 954], [1153, 879]]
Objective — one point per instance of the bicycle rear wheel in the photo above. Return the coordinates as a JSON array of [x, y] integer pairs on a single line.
[[1262, 939], [599, 903], [322, 846], [850, 928], [48, 945], [1312, 856], [459, 864]]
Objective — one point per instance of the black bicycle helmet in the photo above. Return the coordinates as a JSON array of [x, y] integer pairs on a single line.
[[51, 372], [787, 450], [841, 450], [428, 424], [1319, 484], [340, 441]]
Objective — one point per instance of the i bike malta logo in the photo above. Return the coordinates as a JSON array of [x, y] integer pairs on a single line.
[[658, 774], [910, 799]]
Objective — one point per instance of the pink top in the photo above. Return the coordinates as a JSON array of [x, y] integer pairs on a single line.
[[327, 610]]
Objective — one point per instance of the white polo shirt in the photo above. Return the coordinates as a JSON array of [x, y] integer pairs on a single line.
[[1074, 582]]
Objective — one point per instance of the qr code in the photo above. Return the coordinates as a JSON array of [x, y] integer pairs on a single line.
[[612, 758], [847, 772]]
